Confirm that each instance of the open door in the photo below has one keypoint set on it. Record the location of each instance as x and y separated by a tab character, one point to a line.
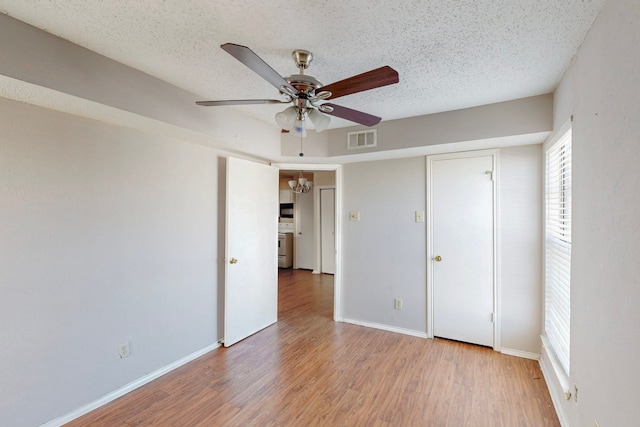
251	260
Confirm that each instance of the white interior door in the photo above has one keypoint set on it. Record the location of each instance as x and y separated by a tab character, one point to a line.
328	230
304	240
251	262
462	221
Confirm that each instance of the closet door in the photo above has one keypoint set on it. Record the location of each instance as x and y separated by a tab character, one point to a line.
462	247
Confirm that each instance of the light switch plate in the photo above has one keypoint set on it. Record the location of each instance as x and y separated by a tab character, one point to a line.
419	216
354	216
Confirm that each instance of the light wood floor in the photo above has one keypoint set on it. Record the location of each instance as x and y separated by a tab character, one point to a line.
307	370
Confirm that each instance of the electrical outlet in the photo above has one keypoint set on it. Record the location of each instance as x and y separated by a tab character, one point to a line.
397	303
123	350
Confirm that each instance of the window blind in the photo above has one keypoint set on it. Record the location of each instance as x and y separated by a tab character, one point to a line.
558	249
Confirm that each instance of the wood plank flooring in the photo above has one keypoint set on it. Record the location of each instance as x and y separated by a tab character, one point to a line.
307	370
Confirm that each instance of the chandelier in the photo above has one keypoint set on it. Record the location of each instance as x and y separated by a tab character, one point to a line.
302	185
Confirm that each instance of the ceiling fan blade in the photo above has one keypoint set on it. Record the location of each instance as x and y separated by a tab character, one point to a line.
240	102
379	77
352	115
255	63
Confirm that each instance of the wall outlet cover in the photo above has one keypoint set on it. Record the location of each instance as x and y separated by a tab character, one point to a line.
124	350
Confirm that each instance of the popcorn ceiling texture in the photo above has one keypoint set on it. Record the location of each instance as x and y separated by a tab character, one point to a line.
449	54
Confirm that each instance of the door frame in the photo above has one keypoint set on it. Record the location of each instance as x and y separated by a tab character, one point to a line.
496	237
337	277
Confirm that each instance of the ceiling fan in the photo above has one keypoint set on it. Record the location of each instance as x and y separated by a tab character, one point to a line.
306	93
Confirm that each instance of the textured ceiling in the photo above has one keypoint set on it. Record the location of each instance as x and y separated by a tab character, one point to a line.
449	54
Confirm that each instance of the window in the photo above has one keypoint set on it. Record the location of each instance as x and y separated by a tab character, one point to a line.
558	249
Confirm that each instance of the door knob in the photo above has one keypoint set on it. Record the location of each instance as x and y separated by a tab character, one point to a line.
437	258
233	261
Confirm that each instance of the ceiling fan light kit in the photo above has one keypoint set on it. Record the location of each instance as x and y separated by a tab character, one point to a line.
319	120
306	93
286	118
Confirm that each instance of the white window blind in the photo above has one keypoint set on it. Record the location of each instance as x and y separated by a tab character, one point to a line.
558	249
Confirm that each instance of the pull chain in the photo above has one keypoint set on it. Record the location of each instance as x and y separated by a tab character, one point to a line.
301	153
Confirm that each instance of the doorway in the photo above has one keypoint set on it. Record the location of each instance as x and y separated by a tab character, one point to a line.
461	266
335	172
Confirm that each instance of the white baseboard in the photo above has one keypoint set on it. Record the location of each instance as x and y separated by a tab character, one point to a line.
520	353
128	388
411	332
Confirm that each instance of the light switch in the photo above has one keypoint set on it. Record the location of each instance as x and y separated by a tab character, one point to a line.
419	216
354	216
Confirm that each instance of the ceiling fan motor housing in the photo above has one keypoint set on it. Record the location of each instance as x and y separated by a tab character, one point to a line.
305	85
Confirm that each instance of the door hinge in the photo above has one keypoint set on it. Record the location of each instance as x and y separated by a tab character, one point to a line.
492	317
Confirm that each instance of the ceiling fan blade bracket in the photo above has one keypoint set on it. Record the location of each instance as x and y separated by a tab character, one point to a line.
325	108
320	96
288	91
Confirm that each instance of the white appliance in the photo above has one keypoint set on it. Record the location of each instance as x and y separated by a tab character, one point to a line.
285	250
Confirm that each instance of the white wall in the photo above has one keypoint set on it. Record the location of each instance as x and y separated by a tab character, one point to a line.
385	252
601	90
108	235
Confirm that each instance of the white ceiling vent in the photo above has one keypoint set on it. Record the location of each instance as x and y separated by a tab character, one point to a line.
362	139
